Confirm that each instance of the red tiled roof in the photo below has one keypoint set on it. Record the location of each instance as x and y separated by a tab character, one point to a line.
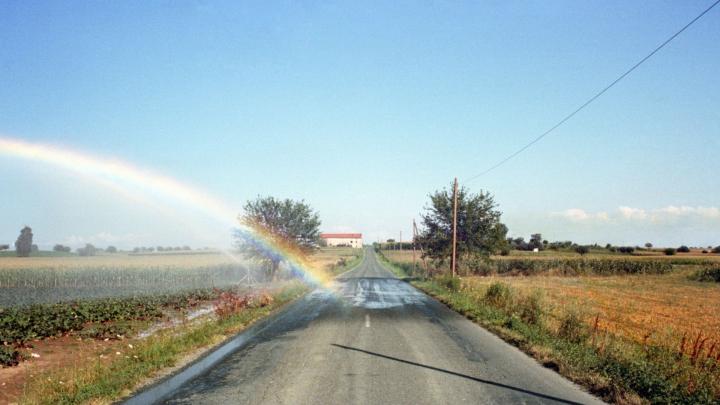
341	235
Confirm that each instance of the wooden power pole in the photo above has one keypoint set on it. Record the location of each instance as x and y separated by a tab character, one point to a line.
453	262
414	233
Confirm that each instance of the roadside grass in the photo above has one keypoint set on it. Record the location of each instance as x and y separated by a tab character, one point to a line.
401	270
648	337
101	381
616	369
346	262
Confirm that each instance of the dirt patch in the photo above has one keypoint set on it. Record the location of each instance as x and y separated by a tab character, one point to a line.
51	354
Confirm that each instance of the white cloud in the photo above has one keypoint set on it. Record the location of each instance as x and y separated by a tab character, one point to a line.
671	213
101	239
580	215
632	213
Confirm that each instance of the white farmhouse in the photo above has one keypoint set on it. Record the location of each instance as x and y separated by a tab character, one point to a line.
342	239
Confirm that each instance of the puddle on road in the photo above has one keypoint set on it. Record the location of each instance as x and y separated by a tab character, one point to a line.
377	293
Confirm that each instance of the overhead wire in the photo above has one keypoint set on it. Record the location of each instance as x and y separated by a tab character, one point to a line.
593	98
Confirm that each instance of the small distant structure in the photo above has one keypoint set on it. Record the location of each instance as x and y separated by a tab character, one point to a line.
342	239
535	250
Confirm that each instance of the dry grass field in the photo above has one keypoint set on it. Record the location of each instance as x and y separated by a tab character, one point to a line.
329	256
651	309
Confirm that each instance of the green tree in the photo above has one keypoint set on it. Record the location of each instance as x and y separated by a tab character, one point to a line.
285	224
536	241
88	250
582	249
23	244
479	230
111	249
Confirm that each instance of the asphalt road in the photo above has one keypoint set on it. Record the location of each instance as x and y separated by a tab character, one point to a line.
373	339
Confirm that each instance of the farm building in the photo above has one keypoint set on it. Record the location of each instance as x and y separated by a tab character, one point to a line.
342	239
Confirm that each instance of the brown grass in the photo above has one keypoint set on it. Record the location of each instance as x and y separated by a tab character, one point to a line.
649	309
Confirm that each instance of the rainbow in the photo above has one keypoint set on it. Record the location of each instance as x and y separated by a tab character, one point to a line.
122	177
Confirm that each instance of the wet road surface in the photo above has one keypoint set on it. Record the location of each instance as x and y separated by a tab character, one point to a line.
369	339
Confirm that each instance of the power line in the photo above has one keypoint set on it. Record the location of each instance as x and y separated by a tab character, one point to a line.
593	98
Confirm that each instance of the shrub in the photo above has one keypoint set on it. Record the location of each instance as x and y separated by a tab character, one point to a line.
450	282
708	274
572	327
504	252
669	251
582	249
683	249
230	303
531	309
716	249
499	295
9	356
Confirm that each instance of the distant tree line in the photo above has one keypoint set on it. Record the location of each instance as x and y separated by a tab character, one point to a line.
62	248
150	249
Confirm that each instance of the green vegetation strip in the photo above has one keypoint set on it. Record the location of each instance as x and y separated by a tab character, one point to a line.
101	382
616	370
19	325
575	266
710	274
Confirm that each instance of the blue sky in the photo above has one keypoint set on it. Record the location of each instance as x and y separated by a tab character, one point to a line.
362	109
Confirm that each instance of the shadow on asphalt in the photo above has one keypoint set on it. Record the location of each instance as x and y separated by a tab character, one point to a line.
496	384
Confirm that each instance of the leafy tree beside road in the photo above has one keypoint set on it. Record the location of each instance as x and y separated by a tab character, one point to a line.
479	230
291	225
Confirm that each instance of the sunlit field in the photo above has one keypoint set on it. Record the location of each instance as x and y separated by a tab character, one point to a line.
156	294
55	279
647	308
603	320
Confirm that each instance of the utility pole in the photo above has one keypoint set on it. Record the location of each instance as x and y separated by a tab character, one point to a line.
413	245
453	262
401	241
416	234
